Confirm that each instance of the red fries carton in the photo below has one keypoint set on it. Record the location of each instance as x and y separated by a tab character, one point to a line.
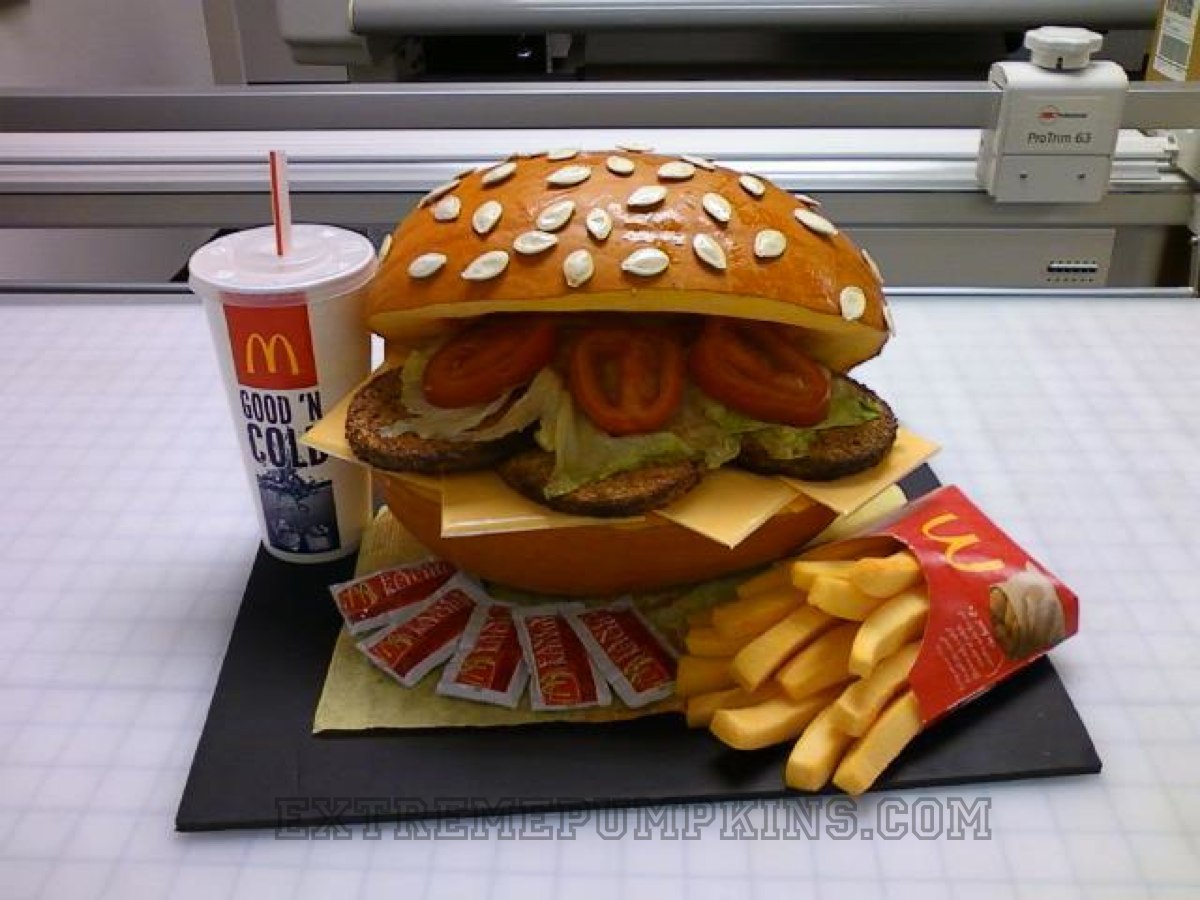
993	609
489	664
389	595
409	650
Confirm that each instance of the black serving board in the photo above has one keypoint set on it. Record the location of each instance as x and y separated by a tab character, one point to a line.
258	764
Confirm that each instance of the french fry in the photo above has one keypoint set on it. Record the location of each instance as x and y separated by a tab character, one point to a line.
754	615
885	576
817	753
838	597
806	571
702	674
767	723
870	754
893	624
758	660
702	707
707	641
819	665
700	617
861	701
770	579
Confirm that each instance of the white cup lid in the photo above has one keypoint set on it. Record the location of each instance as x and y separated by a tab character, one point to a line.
324	262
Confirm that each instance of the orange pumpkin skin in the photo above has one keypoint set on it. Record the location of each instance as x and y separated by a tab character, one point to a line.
601	560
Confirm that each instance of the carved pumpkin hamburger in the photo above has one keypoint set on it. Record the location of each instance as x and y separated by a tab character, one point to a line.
603	330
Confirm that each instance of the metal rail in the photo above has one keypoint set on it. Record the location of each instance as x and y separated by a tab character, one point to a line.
467	16
564	104
910	176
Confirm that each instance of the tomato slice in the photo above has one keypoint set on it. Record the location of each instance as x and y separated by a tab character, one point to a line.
487	358
627	380
754	368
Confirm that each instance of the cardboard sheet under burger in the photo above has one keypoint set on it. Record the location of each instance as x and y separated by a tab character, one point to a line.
727	507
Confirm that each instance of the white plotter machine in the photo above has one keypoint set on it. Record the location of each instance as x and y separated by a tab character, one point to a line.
1051	170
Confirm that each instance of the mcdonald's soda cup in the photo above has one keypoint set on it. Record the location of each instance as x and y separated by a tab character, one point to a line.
290	342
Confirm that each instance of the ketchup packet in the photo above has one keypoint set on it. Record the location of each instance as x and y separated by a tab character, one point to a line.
993	609
489	664
389	595
410	649
563	675
635	660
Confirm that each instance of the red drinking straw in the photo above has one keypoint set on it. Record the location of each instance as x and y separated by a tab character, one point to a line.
281	203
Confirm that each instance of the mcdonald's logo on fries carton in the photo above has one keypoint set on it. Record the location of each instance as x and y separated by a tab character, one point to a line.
272	347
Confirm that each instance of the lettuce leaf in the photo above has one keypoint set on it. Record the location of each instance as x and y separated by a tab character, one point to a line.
846	407
702	430
584	453
428	421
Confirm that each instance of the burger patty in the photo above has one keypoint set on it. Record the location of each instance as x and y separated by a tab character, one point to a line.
833	452
378	405
624	494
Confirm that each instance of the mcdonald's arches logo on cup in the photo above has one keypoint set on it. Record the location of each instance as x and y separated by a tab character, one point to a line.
271	346
269	349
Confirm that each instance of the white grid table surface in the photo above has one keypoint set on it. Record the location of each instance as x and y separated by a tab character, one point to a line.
126	536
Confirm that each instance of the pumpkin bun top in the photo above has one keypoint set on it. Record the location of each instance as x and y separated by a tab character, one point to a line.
628	231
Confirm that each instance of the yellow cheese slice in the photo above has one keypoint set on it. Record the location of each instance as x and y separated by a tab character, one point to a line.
729	505
328	434
481	503
429	485
847	494
888	501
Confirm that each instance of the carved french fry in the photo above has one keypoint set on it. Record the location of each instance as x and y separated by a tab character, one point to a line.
870	754
819	665
770	722
838	597
805	572
817	753
885	576
702	674
702	707
707	641
893	624
772	579
758	660
862	700
754	615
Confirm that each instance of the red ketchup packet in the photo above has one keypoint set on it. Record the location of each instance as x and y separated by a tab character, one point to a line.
993	609
410	649
635	660
489	664
563	675
389	595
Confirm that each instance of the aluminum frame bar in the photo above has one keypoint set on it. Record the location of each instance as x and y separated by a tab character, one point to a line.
765	104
